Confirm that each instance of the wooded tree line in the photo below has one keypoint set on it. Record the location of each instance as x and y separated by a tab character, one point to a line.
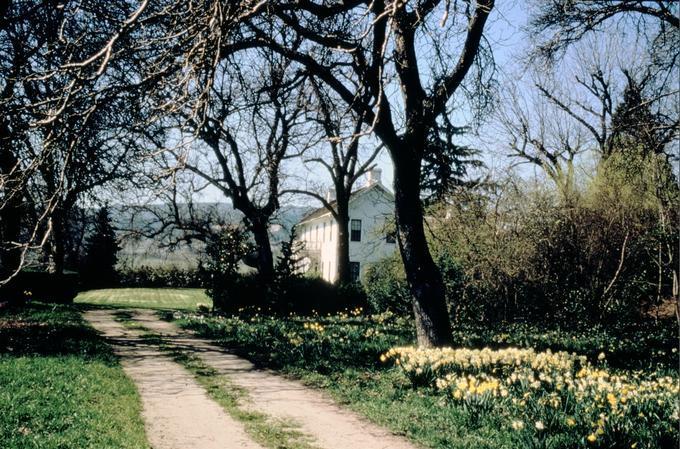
171	96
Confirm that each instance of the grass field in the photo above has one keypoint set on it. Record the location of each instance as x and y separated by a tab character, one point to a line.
147	298
61	386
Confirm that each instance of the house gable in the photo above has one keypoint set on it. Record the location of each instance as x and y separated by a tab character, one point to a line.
324	213
369	208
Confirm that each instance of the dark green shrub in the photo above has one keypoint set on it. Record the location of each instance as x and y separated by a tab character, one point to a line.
98	268
42	286
386	287
159	277
305	295
235	292
296	294
224	284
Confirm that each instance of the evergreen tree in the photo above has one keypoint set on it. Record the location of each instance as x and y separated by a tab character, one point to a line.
635	126
223	255
101	253
289	261
445	164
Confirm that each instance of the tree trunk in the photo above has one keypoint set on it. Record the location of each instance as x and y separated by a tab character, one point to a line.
10	231
433	326
344	274
57	247
11	214
265	259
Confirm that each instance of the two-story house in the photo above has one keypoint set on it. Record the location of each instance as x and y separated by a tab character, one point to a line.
369	209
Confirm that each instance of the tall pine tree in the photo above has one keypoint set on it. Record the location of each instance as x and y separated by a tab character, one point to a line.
635	126
101	253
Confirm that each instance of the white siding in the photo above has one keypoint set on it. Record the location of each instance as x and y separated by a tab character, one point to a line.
373	207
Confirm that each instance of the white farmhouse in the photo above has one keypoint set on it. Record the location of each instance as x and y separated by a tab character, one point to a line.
369	209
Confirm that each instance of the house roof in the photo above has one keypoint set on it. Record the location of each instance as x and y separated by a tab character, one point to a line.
320	212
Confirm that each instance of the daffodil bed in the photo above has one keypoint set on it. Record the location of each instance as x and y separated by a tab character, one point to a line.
319	344
508	395
540	392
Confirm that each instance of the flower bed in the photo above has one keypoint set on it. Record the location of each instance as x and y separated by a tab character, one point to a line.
541	391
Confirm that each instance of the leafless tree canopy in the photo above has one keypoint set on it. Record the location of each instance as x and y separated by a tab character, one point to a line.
61	81
560	23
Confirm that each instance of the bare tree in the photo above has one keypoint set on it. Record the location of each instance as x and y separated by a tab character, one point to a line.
62	72
249	129
558	24
541	134
366	51
167	212
564	114
342	157
61	61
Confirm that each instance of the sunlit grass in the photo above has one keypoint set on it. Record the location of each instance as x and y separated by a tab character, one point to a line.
61	386
147	298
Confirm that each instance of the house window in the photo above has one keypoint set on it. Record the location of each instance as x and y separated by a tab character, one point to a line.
355	230
324	232
330	232
316	239
391	237
354	271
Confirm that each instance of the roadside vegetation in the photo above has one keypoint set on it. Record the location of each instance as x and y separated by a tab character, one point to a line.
62	386
559	302
608	388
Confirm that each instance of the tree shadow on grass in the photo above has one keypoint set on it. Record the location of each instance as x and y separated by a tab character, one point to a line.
50	330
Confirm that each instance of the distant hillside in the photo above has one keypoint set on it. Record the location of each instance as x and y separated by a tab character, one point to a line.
134	225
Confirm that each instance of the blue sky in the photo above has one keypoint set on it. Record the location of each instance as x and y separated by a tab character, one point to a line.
504	32
509	44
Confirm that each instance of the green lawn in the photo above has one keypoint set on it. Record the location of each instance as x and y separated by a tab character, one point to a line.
147	298
61	386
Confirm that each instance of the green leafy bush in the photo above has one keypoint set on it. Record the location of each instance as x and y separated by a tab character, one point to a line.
159	277
387	290
296	294
522	252
386	287
224	284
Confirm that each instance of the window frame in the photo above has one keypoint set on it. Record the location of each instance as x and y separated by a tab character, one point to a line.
354	234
